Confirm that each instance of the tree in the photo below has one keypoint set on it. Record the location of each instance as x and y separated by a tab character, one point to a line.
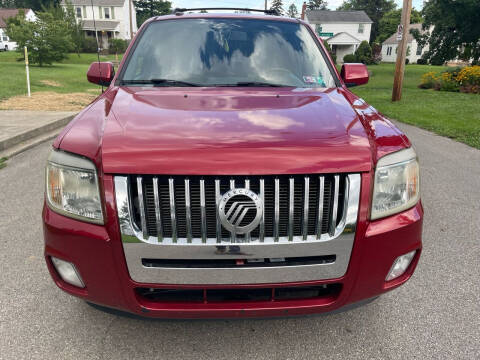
456	30
35	5
277	5
47	38
150	8
389	22
317	5
292	11
67	15
375	10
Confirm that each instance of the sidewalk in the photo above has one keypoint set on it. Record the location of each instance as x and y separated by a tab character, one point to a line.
20	130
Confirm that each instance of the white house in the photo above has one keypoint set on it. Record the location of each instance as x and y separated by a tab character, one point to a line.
343	30
414	51
5	43
113	18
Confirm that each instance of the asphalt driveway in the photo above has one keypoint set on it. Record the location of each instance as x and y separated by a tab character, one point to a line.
436	315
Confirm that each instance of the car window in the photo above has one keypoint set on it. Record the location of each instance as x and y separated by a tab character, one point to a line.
225	51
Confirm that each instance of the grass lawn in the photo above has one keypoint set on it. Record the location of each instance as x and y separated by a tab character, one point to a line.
68	77
455	115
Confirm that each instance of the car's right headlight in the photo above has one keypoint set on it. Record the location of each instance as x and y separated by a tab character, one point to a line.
397	184
72	187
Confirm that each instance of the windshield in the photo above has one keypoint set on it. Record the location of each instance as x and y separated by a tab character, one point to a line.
227	52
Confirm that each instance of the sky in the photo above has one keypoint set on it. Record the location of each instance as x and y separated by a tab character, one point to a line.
259	4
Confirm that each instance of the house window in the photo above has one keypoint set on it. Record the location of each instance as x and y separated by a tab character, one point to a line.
389	51
318	28
5	38
113	12
419	50
361	27
79	12
107	12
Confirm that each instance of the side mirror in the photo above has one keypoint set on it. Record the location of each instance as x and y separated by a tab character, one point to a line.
101	73
354	74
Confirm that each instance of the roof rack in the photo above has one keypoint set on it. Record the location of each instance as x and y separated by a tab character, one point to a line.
180	11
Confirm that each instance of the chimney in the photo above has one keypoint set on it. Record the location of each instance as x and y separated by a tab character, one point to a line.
304	10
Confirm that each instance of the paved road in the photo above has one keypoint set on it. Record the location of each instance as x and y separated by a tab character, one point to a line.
436	315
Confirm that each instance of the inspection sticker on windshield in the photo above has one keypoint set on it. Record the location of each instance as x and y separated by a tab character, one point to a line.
313	80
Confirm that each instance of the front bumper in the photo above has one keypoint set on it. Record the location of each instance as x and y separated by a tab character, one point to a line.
98	255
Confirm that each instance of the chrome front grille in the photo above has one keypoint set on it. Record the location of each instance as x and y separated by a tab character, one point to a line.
183	209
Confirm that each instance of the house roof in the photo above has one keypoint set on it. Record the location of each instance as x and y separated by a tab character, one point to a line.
327	16
343	38
99	25
393	39
8	13
95	2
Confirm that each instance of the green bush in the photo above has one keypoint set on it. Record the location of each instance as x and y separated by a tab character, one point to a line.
350	58
329	49
117	46
422	61
89	45
364	53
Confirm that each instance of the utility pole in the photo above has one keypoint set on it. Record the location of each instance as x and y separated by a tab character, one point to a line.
402	33
266	5
130	17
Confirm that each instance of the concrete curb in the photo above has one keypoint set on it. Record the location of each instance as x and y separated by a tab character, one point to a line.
28	144
32	133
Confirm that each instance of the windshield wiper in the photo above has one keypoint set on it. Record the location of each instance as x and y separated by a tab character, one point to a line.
257	83
159	82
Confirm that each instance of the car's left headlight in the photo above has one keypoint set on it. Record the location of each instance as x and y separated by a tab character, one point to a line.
72	187
397	184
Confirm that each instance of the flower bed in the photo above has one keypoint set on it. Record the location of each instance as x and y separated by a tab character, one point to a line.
465	79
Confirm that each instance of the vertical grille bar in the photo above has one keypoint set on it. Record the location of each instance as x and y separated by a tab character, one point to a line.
217	201
333	222
262	222
321	189
158	216
277	210
305	208
142	207
290	208
188	213
202	211
233	236
171	192
247	186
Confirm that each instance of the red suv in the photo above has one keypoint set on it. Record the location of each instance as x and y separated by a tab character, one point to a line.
227	171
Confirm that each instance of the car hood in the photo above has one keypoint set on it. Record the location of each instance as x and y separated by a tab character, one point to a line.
233	131
222	131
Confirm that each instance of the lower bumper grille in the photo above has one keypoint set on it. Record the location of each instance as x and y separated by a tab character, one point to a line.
239	294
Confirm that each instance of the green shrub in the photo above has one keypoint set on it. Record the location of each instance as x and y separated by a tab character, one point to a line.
89	45
117	46
422	61
364	53
350	58
329	49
